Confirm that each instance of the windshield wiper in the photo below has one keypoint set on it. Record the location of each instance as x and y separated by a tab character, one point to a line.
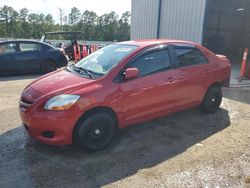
88	72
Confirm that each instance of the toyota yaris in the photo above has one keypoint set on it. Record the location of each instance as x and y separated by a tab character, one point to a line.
121	85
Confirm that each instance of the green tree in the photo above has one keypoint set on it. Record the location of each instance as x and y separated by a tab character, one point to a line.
74	16
22	24
49	20
34	20
49	23
124	27
14	26
89	20
23	14
107	26
2	29
9	16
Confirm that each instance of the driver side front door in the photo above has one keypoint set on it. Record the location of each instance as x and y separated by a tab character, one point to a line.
151	93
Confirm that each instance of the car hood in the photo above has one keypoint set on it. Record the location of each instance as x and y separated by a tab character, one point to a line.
59	82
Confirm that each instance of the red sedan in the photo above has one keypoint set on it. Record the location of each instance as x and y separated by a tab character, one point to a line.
121	85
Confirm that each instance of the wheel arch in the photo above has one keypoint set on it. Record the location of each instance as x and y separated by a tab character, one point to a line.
48	59
215	84
94	110
207	106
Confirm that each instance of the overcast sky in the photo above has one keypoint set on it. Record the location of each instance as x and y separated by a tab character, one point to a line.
52	6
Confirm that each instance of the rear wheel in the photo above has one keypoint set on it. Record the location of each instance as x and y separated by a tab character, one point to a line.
48	66
212	100
95	132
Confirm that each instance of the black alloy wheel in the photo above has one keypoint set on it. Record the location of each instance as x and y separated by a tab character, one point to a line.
212	100
95	132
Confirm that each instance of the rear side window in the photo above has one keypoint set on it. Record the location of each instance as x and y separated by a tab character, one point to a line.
187	56
45	47
152	62
29	47
7	48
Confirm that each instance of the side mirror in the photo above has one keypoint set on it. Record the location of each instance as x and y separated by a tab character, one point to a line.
131	73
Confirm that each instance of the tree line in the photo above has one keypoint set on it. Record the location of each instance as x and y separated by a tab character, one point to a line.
24	24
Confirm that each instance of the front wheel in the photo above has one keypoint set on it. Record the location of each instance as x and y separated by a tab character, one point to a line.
212	100
95	132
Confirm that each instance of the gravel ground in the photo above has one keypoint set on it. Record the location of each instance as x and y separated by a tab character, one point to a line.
187	149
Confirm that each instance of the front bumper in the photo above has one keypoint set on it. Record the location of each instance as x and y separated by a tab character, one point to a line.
59	124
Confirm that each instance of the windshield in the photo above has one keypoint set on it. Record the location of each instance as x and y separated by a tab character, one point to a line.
103	60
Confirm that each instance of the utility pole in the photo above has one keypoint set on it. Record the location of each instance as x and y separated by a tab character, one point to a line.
61	16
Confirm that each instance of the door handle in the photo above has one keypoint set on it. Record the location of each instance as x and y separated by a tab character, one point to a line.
170	80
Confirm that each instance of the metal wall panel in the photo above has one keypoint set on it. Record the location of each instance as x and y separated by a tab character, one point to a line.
182	19
144	19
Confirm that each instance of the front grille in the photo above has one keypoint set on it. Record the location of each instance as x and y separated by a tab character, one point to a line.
24	105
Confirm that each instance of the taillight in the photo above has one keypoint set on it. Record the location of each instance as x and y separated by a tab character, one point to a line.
223	58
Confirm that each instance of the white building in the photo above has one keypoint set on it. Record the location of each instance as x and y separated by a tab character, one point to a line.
221	25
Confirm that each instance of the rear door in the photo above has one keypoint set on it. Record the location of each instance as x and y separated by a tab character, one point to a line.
7	57
191	64
28	56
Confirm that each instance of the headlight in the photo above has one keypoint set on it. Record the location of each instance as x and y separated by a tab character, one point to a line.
61	102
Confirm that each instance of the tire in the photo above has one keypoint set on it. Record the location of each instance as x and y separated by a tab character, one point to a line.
95	132
212	100
48	66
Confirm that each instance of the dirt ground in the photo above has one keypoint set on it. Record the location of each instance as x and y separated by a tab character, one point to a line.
187	149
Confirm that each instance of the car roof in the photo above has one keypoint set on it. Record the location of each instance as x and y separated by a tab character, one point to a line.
25	40
64	32
149	42
21	40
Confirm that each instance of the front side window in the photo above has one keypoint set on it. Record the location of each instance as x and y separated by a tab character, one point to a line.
152	62
187	56
29	47
103	60
7	48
